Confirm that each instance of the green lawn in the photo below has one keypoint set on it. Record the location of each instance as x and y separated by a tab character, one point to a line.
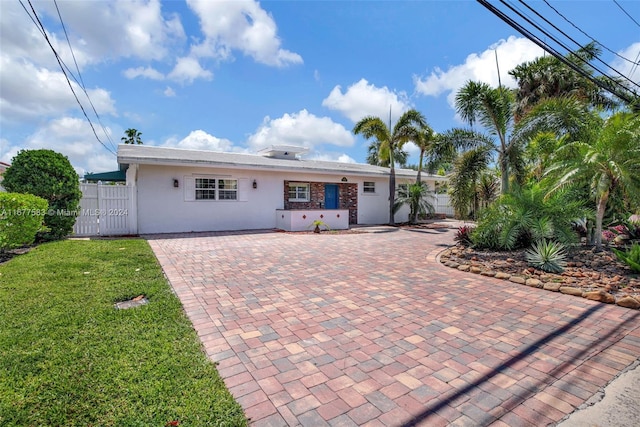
69	358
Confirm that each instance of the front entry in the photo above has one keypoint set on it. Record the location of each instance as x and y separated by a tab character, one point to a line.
331	196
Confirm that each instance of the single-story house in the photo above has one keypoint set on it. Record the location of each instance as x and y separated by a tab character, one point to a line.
179	190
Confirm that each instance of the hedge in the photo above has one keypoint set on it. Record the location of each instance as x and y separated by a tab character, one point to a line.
21	217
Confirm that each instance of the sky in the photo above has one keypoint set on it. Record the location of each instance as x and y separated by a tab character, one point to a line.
239	76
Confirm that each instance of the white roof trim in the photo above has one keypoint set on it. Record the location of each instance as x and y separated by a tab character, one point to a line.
151	155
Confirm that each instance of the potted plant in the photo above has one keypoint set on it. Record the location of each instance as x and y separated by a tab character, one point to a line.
317	224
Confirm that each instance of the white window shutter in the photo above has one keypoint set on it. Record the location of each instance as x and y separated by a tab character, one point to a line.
243	189
189	188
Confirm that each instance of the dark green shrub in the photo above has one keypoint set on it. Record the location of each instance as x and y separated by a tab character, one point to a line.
630	257
47	174
527	215
21	217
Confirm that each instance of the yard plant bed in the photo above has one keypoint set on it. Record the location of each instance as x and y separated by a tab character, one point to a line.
68	357
590	274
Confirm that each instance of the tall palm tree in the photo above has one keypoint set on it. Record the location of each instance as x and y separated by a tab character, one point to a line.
548	77
377	158
424	139
132	136
390	140
494	109
607	158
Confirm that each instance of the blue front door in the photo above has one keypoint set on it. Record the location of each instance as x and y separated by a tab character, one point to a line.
331	196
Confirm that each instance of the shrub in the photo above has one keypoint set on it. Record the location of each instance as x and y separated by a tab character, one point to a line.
463	235
21	217
49	175
630	257
526	215
547	255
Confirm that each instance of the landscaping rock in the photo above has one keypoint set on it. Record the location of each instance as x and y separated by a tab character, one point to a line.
488	273
501	275
464	267
570	290
534	283
601	296
628	301
475	269
452	264
551	286
517	279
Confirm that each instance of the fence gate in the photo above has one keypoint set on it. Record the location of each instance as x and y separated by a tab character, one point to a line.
105	210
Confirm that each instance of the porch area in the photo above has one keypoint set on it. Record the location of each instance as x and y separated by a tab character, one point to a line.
303	219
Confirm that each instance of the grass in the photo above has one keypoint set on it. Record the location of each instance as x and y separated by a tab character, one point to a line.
69	358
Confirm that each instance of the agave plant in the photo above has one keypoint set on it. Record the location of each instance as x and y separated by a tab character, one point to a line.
630	257
547	255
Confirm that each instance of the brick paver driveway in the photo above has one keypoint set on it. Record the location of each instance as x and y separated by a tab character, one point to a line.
368	329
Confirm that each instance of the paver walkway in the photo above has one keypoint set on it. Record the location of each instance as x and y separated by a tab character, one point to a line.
368	329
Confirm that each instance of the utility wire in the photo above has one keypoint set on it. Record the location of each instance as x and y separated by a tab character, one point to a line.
626	13
39	23
570	38
508	20
563	46
587	35
81	82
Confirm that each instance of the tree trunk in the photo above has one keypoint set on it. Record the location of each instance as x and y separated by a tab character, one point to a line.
504	172
601	206
414	219
392	194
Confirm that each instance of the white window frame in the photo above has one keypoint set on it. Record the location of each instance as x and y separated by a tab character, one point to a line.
306	193
225	188
208	189
222	189
369	189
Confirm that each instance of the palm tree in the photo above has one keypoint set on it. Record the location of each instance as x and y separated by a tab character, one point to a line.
606	157
416	196
132	136
494	109
548	77
468	170
376	158
390	141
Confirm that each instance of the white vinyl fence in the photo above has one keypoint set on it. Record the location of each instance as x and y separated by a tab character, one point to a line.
106	210
442	204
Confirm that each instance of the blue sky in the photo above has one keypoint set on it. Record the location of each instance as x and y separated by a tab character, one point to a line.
240	76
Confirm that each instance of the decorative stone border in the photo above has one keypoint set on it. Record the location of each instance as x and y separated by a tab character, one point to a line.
626	301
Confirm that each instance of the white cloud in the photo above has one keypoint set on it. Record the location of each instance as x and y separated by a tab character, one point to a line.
30	93
300	129
146	72
169	92
625	67
480	67
201	140
363	99
122	28
188	69
243	26
73	138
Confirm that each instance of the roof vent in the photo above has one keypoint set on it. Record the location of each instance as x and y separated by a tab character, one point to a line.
283	152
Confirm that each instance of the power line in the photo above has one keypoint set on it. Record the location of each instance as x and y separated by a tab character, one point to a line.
81	82
626	13
44	33
587	35
508	20
570	38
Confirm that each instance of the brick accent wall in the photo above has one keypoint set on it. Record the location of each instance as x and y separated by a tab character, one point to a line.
347	198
